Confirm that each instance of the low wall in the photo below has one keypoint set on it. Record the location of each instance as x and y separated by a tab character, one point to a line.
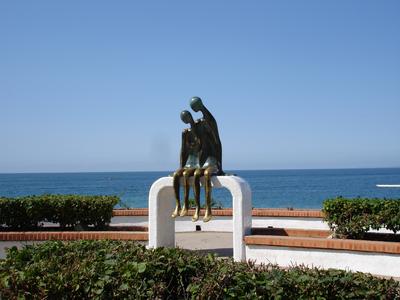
313	249
374	263
222	219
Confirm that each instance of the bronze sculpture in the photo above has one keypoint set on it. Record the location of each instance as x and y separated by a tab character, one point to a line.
201	157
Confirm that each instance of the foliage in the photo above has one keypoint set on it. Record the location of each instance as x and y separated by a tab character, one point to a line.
127	270
29	212
352	218
214	203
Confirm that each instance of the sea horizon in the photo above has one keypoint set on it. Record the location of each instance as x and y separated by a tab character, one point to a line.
225	170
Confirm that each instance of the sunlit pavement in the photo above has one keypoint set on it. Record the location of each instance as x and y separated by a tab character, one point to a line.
220	243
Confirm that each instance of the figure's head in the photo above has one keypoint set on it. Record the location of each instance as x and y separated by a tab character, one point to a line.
196	104
186	117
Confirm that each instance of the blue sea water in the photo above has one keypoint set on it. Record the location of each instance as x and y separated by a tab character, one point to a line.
270	188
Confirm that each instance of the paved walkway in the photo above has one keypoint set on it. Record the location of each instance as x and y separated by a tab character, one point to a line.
220	243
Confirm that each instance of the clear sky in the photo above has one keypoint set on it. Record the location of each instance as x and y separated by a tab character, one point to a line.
99	85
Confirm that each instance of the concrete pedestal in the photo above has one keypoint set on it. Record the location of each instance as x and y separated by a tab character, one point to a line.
162	204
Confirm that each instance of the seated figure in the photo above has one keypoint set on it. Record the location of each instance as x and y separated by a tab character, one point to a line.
211	155
189	162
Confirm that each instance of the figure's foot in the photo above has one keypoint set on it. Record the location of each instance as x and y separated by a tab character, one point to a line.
184	211
207	216
196	215
176	212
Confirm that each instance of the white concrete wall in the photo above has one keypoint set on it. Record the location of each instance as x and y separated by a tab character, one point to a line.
224	224
288	222
374	263
133	221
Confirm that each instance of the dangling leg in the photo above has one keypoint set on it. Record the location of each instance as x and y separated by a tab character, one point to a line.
207	178
196	189
186	186
177	176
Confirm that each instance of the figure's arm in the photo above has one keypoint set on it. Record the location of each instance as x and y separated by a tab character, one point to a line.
210	118
184	152
216	141
212	124
210	129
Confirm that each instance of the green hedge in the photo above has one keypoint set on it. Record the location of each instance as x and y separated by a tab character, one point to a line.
352	218
126	270
29	212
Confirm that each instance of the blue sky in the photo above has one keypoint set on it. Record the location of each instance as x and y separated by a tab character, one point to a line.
99	85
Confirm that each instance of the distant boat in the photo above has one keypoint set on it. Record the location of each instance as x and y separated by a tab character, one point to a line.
388	185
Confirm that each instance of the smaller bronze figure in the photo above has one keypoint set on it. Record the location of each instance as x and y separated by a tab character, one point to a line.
189	162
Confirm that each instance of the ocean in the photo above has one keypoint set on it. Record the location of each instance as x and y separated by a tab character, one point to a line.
270	188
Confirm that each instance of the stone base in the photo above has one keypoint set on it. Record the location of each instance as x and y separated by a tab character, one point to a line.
162	204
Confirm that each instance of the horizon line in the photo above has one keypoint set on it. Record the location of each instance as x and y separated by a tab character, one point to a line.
159	171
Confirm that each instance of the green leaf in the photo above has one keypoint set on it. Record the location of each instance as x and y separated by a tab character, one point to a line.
141	267
123	287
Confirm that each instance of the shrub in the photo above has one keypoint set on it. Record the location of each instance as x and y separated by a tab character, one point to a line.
29	212
214	203
126	270
352	218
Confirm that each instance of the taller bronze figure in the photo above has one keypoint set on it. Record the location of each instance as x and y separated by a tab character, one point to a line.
208	153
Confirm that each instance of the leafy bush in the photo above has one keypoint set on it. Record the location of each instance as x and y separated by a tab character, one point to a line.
214	204
126	270
352	218
29	212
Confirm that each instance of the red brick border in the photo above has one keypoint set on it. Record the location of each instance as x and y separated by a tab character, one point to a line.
130	212
292	213
227	212
73	235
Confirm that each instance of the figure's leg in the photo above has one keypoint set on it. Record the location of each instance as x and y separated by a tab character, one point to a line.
196	189
177	176
207	178
186	186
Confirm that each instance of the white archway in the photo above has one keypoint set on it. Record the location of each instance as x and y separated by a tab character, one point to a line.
162	203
